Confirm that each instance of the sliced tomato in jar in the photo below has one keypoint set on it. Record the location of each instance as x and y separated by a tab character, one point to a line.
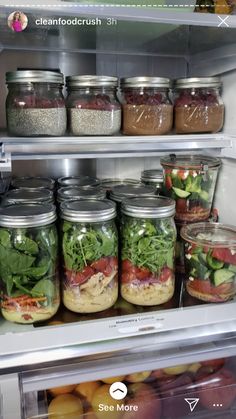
168	182
127	277
224	255
206	287
181	205
127	266
79	277
113	261
142	273
165	274
182	174
100	265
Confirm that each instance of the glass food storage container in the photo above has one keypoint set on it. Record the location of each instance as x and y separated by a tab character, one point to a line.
148	237
75	193
28	263
35	105
33	183
90	248
210	259
198	106
190	180
121	192
93	108
153	177
78	181
28	196
147	109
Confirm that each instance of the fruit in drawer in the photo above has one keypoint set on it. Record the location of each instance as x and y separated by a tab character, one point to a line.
147	401
178	369
56	391
112	380
86	391
104	406
138	377
65	406
216	388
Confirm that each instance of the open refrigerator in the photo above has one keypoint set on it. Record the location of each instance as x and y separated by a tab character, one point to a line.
167	345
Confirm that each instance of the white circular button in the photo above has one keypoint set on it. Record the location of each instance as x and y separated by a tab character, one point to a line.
118	390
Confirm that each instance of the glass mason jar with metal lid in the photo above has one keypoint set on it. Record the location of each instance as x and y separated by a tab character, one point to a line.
28	196
153	177
75	193
35	105
33	183
148	237
198	106
147	109
210	260
90	250
93	107
121	192
28	263
109	183
190	181
78	181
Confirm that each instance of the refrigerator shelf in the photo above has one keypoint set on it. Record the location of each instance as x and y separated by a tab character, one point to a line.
105	147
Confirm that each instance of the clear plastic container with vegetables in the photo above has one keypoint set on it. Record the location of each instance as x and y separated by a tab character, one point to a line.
190	181
28	263
147	251
210	258
90	248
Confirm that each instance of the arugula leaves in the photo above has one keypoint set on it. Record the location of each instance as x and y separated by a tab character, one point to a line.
83	244
148	243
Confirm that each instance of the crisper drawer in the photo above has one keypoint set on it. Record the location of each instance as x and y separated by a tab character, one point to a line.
205	389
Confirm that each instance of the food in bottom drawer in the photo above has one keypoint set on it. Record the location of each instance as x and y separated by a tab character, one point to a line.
166	393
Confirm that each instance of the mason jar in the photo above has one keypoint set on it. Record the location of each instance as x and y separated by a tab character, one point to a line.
35	105
76	193
93	108
90	249
190	180
109	183
121	192
33	183
77	181
148	237
147	109
198	105
210	260
28	196
28	263
153	177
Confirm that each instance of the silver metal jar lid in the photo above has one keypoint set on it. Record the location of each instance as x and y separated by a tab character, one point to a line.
197	162
198	82
33	183
34	76
73	193
120	192
151	207
27	215
91	211
24	196
78	181
145	82
152	175
91	81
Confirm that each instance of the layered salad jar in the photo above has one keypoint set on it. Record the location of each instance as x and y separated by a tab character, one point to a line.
148	237
210	258
198	106
35	183
90	249
28	263
78	181
121	192
28	196
35	105
93	108
147	109
190	181
153	177
75	193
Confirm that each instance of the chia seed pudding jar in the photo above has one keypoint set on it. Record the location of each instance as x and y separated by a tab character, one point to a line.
153	177
93	108
198	106
28	263
210	259
190	181
90	262
84	181
148	237
35	105
28	196
33	183
76	193
147	109
121	192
